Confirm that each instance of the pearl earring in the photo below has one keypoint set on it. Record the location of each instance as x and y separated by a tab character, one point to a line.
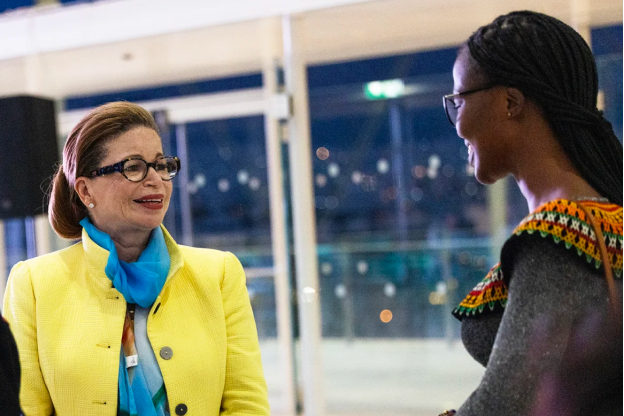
508	114
91	205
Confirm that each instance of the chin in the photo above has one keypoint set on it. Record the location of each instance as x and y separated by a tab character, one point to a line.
486	178
149	222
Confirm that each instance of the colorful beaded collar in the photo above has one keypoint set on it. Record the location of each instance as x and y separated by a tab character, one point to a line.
560	221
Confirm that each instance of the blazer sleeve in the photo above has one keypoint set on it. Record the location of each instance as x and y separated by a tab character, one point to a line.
245	390
20	312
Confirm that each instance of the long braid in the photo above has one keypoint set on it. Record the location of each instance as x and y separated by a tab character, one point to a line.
553	66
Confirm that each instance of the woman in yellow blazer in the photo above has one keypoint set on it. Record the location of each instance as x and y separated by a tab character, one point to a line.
127	322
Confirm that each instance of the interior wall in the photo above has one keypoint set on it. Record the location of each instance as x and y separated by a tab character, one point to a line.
353	31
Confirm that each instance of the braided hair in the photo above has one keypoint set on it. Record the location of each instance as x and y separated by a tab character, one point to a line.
554	67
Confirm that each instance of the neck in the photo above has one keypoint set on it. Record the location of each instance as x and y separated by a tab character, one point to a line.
543	170
552	180
129	245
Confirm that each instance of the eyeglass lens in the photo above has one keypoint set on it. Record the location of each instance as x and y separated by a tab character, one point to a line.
451	110
136	170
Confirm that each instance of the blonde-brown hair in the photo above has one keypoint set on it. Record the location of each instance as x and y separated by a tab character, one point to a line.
84	150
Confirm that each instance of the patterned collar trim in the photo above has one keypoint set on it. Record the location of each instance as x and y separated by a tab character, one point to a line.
559	221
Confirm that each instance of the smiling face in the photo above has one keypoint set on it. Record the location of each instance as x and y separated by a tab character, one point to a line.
121	207
481	118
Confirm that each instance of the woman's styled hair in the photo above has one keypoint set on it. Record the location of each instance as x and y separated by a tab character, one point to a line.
554	67
84	150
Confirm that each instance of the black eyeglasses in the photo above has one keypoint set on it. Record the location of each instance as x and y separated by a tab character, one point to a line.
135	169
449	103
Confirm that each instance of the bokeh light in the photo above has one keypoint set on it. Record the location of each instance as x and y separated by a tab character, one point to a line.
385	316
322	153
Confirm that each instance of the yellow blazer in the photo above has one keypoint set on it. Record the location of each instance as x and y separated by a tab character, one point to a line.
67	320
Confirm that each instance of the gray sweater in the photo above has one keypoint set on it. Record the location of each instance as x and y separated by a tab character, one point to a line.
550	290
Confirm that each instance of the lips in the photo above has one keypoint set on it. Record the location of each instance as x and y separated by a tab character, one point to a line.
151	201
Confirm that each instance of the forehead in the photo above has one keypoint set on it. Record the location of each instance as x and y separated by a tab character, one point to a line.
466	72
139	141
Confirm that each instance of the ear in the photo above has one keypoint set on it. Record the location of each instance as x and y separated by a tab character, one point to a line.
516	102
83	189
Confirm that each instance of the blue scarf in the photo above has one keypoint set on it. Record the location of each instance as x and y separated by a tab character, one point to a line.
139	282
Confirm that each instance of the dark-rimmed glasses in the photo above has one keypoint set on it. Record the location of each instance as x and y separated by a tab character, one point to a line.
449	103
135	169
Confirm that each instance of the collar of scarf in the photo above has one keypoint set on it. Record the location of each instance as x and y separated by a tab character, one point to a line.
564	223
139	282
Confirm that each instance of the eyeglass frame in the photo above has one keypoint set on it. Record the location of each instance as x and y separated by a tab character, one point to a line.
118	167
451	97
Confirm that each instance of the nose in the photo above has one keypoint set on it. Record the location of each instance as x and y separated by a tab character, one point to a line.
152	176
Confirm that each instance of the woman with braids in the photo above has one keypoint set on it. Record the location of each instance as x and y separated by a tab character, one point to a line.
525	91
127	322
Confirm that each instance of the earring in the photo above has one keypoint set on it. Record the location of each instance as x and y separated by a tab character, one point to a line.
91	205
508	114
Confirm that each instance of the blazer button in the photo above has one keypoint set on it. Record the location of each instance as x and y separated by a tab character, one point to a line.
181	409
166	353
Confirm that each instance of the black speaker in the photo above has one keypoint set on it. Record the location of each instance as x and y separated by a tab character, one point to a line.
28	154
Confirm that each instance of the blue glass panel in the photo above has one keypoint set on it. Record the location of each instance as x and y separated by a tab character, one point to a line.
397	66
15	242
606	40
6	5
167	91
607	47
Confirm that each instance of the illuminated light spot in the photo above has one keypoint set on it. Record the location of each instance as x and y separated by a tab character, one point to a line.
385	316
340	291
391	88
333	170
254	183
223	185
452	283
417	194
243	177
441	288
362	267
322	153
200	180
251	292
321	180
471	189
448	171
308	294
331	202
389	290
375	88
326	268
419	171
436	298
434	161
383	166
356	177
432	173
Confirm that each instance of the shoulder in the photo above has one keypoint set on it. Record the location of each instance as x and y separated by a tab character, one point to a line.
195	254
564	225
51	262
200	260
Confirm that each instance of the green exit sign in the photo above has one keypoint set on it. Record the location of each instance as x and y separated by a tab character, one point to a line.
380	90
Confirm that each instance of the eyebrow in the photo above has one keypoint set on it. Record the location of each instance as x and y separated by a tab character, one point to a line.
159	154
